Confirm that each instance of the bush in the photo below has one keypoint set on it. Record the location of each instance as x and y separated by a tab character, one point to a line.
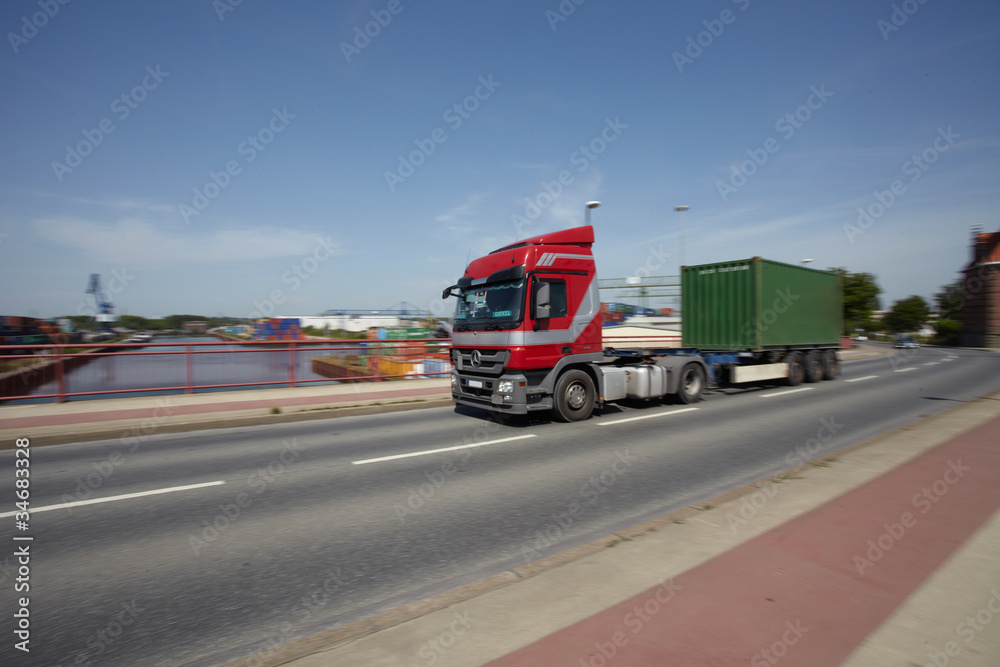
948	332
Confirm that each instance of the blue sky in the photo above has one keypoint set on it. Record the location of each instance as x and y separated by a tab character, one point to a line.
263	157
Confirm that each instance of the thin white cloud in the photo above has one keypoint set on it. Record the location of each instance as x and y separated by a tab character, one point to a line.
463	210
123	204
457	218
139	240
568	209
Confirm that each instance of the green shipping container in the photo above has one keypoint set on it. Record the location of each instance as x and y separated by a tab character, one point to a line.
758	304
402	333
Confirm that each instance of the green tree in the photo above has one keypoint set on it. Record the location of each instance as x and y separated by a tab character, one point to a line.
950	300
81	321
860	298
177	321
133	322
948	332
908	314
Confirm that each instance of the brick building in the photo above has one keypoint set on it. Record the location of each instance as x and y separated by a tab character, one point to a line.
981	311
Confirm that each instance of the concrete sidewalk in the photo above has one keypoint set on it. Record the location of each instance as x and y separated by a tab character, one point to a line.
56	423
886	554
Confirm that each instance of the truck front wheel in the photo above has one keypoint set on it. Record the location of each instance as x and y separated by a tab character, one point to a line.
574	396
692	384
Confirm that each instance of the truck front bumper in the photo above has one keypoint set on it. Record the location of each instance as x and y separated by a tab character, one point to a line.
507	393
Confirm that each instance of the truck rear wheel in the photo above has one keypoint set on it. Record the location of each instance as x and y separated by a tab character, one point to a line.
692	384
831	364
796	369
813	366
574	396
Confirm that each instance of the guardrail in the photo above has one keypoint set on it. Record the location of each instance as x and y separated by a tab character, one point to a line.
379	357
56	363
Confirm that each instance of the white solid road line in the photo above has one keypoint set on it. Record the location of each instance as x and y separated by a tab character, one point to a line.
443	449
905	370
658	414
786	392
866	377
94	501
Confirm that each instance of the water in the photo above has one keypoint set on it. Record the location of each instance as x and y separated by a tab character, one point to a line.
209	366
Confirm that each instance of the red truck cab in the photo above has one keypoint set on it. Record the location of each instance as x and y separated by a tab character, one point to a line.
526	312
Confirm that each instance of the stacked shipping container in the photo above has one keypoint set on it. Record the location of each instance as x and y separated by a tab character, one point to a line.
400	341
615	312
277	328
17	330
399	352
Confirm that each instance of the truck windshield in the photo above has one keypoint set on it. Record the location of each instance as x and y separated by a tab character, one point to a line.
490	306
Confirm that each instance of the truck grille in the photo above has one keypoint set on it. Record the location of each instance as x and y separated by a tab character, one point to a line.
487	362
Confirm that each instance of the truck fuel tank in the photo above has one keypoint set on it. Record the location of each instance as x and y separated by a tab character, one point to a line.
615	382
646	381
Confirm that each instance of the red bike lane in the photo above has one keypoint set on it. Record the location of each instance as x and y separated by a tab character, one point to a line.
809	591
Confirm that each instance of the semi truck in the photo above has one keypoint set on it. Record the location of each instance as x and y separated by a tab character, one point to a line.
527	334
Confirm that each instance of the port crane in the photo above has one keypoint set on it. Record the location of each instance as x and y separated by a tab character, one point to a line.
105	309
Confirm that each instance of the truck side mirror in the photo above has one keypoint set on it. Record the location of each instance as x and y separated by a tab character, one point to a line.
542	302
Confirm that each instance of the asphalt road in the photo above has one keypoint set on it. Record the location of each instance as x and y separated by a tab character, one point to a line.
302	526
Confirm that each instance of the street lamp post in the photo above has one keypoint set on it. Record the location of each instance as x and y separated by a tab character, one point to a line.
587	207
681	209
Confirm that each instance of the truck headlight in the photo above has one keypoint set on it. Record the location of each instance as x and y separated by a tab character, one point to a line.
505	386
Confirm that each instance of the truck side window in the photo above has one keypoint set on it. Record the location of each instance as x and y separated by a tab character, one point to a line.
557	298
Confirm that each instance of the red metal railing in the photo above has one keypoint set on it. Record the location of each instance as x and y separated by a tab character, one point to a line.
57	362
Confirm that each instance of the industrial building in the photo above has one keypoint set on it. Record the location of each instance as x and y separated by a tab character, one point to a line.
401	315
981	311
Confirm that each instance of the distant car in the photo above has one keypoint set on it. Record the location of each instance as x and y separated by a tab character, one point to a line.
861	337
906	343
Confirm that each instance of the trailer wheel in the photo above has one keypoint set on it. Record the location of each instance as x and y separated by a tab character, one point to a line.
813	366
831	365
796	369
574	397
692	384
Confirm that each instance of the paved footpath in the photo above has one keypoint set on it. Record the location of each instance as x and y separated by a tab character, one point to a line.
56	423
